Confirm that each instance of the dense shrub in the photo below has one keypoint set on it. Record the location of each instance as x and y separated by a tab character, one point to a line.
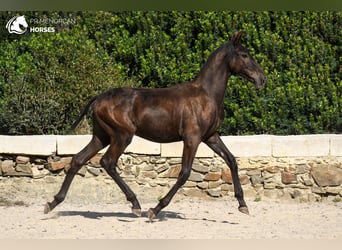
45	79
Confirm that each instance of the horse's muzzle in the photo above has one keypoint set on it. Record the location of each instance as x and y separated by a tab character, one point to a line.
260	81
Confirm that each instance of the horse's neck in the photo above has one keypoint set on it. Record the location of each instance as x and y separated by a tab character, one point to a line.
214	74
214	82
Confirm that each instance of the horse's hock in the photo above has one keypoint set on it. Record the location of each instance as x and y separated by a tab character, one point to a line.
296	168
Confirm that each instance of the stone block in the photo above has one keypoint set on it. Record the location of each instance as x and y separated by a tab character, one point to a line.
317	190
248	146
29	145
83	171
272	169
333	190
171	172
190	184
194	176
227	176
39	173
7	168
174	171
143	146
226	187
94	171
71	144
95	161
307	181
203	185
215	184
325	175
200	168
162	168
212	177
22	159
244	180
270	185
149	174
288	178
62	163
24	169
302	169
304	145
146	167
214	192
254	172
336	145
256	179
175	149
7	164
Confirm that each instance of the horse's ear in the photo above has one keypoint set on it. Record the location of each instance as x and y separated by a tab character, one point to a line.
237	37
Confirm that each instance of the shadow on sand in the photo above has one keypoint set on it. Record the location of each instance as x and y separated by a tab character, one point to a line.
130	217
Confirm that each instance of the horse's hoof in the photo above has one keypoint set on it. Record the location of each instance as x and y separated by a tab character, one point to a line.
136	211
151	215
47	208
244	210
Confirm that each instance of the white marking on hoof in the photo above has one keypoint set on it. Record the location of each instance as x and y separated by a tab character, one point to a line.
136	211
244	210
47	208
151	215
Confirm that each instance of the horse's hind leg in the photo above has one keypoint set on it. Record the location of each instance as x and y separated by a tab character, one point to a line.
216	144
76	163
109	163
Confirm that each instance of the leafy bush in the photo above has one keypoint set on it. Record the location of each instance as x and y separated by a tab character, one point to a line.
45	79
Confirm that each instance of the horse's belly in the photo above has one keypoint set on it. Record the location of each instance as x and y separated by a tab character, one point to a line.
158	134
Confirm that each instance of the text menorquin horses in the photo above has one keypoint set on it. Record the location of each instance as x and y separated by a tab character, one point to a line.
190	112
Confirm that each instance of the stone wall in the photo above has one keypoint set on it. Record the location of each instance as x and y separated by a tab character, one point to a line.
314	176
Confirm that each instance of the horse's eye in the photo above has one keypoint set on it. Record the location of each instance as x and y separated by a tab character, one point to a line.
244	55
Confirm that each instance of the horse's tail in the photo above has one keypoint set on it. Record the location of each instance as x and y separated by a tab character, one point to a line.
84	112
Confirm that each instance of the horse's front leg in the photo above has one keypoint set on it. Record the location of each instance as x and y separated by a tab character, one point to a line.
216	144
189	151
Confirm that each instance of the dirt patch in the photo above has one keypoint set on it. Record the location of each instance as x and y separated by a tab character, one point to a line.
186	217
95	208
8	203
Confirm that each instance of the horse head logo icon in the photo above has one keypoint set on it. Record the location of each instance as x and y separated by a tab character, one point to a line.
17	25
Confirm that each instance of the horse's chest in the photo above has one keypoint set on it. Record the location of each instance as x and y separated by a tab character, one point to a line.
210	119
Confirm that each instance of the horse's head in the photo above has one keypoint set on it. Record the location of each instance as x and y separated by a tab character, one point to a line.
243	64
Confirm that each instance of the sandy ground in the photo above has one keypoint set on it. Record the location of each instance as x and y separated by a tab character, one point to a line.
189	218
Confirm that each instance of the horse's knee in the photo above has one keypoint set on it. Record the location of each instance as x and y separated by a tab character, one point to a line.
107	164
75	164
104	163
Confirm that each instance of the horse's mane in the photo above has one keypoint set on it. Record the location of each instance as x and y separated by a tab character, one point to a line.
211	57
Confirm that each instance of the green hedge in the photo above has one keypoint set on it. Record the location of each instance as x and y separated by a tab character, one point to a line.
45	79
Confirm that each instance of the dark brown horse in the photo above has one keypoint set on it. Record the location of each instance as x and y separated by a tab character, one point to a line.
190	112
